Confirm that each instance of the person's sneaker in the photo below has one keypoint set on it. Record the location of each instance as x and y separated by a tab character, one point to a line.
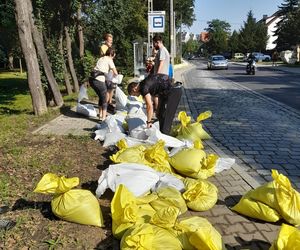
4	209
7	224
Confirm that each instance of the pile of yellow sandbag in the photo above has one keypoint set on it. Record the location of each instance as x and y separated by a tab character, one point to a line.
270	202
151	222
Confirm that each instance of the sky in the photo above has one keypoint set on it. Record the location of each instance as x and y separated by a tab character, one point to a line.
232	11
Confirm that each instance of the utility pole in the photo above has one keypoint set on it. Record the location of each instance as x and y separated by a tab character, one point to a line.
171	32
150	9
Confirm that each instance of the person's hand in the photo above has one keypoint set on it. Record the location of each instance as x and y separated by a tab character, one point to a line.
149	124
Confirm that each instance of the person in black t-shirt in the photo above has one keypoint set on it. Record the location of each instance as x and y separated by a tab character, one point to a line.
168	99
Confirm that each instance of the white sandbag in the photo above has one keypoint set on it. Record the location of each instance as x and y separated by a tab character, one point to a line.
154	135
100	134
138	178
121	99
112	138
115	123
139	132
136	110
224	164
135	122
114	79
82	93
168	180
86	109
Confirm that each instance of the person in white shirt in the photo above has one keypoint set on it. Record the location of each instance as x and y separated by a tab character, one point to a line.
98	83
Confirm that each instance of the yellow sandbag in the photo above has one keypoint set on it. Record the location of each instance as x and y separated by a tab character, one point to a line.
200	195
149	237
165	217
288	198
208	167
256	209
198	233
169	196
79	206
192	131
126	212
192	162
158	157
266	194
288	239
76	205
132	155
188	161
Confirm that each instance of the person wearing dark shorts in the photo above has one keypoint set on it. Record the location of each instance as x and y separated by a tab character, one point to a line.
98	81
168	99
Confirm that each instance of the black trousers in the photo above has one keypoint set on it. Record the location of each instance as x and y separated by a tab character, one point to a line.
167	106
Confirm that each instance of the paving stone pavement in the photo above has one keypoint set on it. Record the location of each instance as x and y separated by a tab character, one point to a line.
262	134
238	232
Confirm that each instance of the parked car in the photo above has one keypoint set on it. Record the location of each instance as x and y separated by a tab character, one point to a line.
239	56
261	57
217	62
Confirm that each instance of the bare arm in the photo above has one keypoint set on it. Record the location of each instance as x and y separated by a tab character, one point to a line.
149	108
161	63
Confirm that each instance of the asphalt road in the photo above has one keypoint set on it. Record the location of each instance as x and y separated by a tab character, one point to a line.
281	86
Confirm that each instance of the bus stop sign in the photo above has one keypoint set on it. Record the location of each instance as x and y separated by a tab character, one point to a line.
156	21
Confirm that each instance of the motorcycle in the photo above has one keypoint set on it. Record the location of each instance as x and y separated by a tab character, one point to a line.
250	68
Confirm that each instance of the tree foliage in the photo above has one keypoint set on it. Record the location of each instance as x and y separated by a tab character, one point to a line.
288	27
253	35
219	32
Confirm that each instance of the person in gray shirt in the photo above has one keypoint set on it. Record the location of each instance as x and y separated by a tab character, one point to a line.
162	58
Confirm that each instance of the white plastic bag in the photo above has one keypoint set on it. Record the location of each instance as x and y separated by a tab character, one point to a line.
112	138
121	99
86	109
154	135
82	93
224	164
138	178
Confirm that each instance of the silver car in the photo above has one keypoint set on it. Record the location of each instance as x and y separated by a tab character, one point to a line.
217	62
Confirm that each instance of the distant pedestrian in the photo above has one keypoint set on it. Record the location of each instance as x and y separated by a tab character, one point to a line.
274	58
108	41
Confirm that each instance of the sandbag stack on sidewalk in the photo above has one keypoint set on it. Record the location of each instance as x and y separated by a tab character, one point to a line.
156	178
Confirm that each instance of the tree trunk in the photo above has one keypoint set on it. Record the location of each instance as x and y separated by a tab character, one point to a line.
10	61
33	74
39	43
70	60
20	65
66	74
80	32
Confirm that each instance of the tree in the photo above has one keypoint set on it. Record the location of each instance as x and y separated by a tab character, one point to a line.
287	32
9	40
219	32
38	41
253	35
234	42
34	76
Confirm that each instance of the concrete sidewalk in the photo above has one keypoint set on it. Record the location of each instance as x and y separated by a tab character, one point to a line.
238	232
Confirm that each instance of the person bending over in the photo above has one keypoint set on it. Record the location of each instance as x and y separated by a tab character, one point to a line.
168	99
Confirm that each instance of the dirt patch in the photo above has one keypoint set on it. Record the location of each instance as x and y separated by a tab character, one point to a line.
21	167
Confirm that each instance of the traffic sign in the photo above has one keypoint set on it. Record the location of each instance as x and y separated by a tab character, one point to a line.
156	21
